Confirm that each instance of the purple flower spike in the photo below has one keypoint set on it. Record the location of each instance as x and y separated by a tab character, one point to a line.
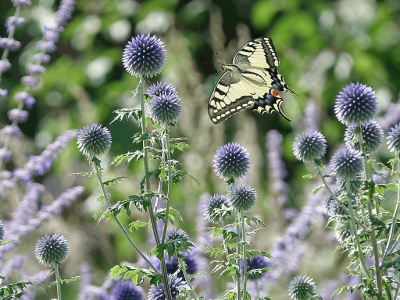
144	55
3	93
64	12
21	96
9	43
22	3
35	69
5	155
13	22
29	81
42	58
22	175
17	115
47	47
5	65
13	131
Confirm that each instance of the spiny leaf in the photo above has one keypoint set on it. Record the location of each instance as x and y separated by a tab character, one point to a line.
114	180
127	157
135	225
65	280
127	113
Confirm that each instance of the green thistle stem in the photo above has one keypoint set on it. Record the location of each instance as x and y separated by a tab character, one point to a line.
371	186
244	254
58	281
164	276
257	289
168	150
185	275
119	223
237	220
227	257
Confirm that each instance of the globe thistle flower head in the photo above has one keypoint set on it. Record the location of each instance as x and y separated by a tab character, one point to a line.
126	290
342	231
1	231
173	264
157	89
51	249
355	185
332	208
257	263
214	203
372	134
93	140
309	146
231	161
242	198
356	104
301	288
393	139
165	108
144	55
174	234
347	164
157	292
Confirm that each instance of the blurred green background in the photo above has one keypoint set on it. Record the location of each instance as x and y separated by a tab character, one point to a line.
322	45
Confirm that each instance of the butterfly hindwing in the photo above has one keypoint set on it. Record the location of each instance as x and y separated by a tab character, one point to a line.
269	103
229	97
259	53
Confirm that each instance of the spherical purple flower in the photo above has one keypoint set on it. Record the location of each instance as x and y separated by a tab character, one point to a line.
242	198
144	55
157	292
5	65
165	108
9	43
17	115
231	161
173	265
257	263
29	81
3	93
42	58
356	104
13	131
126	290
213	205
1	231
393	139
35	69
347	164
372	136
52	249
331	207
157	89
94	140
22	3
5	155
174	234
301	288
309	146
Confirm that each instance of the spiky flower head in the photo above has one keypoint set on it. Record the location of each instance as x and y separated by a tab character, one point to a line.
355	185
331	206
157	292
301	288
242	197
347	164
214	203
257	263
393	139
94	140
126	290
165	108
342	231
144	55
231	161
309	146
1	231
372	134
157	89
356	104
174	234
190	261
51	249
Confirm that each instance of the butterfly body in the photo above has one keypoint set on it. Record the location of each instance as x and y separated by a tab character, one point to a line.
251	81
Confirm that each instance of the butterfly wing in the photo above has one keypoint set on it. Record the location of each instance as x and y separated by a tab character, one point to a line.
271	102
258	53
228	97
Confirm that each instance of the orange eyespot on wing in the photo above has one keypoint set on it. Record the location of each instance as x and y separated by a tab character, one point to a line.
275	93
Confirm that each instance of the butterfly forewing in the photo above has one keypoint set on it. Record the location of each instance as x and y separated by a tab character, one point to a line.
259	53
229	97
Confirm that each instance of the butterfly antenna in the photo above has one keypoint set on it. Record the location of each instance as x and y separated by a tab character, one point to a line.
222	61
294	93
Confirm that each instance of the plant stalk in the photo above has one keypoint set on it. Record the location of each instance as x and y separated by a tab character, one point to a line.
164	275
168	149
244	255
227	257
58	281
185	275
237	220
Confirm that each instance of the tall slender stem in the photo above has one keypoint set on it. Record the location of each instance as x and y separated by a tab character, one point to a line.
227	257
119	223
164	276
354	231
168	149
185	275
244	255
237	220
371	186
58	281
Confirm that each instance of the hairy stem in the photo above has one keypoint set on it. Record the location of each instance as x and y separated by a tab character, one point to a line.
168	150
371	186
244	254
164	275
119	223
183	268
58	281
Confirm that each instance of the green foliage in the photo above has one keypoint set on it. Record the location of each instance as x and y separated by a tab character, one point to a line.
137	275
14	290
65	280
